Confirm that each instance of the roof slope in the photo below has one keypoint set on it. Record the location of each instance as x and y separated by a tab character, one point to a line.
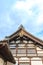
5	52
21	31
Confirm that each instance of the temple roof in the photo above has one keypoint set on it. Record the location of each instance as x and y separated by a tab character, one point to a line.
21	27
21	32
5	52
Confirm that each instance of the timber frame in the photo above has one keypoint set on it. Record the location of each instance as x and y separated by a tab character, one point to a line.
25	45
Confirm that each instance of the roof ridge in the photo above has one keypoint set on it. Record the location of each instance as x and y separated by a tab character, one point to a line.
21	27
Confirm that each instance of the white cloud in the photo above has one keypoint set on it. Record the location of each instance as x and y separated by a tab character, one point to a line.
27	6
21	5
40	19
26	12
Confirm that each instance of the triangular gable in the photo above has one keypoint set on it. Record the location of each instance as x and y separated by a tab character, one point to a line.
22	32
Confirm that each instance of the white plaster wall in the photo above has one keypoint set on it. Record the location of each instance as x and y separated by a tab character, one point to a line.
36	61
9	63
1	61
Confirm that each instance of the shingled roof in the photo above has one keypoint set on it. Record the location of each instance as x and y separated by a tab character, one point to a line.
5	52
21	32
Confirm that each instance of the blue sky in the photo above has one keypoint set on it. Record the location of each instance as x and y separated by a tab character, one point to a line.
29	13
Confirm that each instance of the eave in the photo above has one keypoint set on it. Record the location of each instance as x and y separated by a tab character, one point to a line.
24	32
6	53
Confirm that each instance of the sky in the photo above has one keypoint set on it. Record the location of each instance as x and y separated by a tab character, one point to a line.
29	13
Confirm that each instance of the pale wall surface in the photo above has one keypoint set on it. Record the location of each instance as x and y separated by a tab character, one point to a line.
9	63
1	61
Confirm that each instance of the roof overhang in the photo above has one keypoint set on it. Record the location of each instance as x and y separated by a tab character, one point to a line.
6	53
